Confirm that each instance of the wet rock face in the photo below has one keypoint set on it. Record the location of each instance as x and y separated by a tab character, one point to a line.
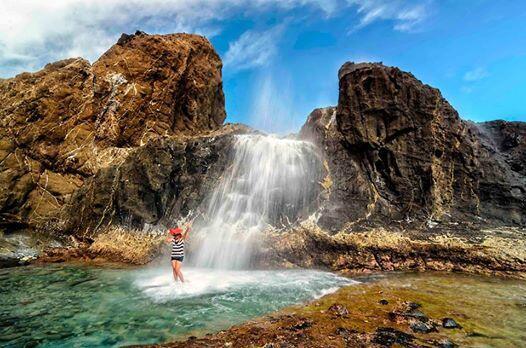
61	125
397	151
508	138
156	183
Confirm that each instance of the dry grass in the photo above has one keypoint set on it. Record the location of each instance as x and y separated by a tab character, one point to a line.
513	248
451	241
129	246
377	238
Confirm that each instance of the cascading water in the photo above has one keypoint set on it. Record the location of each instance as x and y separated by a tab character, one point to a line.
272	181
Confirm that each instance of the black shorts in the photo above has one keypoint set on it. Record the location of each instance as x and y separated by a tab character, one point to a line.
178	258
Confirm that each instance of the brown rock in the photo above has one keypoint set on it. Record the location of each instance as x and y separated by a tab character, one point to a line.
156	183
397	151
62	124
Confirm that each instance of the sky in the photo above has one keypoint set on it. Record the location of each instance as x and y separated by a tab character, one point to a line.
281	57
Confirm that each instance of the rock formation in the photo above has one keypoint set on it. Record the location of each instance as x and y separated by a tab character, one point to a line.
137	138
65	123
397	151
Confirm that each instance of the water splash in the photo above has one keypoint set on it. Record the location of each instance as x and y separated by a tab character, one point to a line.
272	181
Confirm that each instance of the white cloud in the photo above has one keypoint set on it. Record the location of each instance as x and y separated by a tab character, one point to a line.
476	74
406	14
252	49
35	32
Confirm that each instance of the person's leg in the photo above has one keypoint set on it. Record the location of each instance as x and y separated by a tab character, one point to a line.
178	265
174	269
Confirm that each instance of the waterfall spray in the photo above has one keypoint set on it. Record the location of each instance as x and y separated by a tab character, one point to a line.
271	181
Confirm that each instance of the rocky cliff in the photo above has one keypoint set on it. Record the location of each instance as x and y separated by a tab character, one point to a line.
65	123
410	185
397	152
137	138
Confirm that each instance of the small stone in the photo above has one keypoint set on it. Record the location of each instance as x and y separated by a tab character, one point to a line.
446	343
421	327
417	315
301	325
383	302
449	323
341	331
476	334
413	305
339	310
388	336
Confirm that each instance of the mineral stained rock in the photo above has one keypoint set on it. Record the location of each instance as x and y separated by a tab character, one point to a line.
65	123
396	150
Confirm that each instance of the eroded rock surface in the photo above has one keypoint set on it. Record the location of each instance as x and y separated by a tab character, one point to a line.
61	125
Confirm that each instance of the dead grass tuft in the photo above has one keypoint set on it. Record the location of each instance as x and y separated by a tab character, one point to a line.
377	238
129	246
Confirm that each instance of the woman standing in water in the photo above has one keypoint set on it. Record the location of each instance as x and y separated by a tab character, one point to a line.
177	238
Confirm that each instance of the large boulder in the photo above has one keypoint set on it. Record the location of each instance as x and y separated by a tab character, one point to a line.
397	151
66	122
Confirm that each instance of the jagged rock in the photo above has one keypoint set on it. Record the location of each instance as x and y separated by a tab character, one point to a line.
397	151
66	122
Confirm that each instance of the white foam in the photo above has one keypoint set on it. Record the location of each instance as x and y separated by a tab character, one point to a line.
160	286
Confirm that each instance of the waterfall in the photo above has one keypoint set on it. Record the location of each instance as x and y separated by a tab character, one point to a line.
272	181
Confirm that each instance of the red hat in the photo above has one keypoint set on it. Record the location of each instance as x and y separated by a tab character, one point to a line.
175	231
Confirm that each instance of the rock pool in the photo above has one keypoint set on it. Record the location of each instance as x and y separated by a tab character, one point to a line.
66	305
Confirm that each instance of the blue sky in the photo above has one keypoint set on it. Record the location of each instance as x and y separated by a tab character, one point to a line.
281	57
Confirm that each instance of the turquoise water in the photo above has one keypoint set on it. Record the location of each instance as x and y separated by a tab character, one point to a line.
79	306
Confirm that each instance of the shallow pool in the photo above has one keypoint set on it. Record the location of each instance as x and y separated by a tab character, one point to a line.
78	306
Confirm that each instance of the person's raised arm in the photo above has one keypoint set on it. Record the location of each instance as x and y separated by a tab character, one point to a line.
187	230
